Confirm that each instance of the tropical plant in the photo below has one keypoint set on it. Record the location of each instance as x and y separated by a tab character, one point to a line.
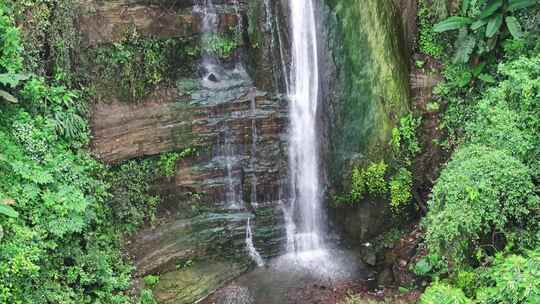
482	32
511	279
440	293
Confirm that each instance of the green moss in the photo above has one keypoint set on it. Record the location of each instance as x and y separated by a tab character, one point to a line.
371	60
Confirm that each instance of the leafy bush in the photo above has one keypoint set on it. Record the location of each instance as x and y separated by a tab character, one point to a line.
512	279
151	280
404	140
167	161
370	180
400	189
481	191
131	202
486	26
440	293
429	41
147	297
498	127
59	243
220	46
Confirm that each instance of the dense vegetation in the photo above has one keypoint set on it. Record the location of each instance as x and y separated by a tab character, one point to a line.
482	228
60	227
63	214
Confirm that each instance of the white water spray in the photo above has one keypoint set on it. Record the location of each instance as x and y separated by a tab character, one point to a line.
252	251
305	228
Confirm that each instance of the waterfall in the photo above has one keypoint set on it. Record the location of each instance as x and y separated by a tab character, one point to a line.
305	225
209	28
253	158
252	251
232	196
215	77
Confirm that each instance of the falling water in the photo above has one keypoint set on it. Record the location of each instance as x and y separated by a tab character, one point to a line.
253	157
303	142
231	193
252	251
209	28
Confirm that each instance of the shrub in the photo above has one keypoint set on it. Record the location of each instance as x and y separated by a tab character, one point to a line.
400	189
440	293
370	180
512	279
498	127
131	202
404	140
481	191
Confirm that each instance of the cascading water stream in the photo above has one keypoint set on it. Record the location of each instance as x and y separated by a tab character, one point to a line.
213	75
304	215
209	27
252	251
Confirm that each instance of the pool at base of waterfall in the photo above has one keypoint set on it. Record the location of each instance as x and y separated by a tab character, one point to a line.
307	277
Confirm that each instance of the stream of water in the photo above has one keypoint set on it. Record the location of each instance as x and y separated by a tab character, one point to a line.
309	259
215	77
305	230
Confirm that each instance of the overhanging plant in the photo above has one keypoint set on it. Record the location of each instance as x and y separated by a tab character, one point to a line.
482	32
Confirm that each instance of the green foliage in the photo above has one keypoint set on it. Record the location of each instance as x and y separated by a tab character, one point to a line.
482	32
440	293
481	191
144	63
59	242
429	41
167	161
147	297
8	211
221	46
151	280
59	238
404	140
132	203
400	189
486	202
369	181
511	279
499	127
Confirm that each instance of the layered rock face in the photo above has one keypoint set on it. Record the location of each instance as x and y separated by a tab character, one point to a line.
145	60
236	121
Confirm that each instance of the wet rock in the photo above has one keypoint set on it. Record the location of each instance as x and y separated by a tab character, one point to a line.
186	286
213	78
385	277
108	21
404	253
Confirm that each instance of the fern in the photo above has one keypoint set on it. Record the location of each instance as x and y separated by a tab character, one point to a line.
465	45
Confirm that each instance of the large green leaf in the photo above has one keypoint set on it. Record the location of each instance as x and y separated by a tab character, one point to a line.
514	27
12	80
519	4
8	211
8	97
464	47
452	23
478	24
491	8
494	25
